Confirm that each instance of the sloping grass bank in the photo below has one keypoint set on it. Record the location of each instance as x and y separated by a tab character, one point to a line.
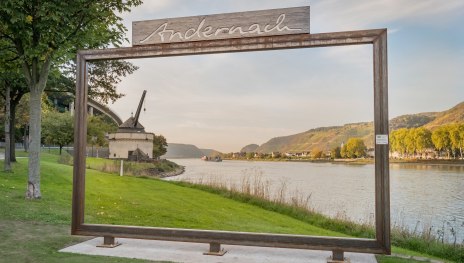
403	242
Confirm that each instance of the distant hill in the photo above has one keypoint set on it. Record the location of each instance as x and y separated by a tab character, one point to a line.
249	148
177	150
455	114
412	120
210	152
320	138
326	138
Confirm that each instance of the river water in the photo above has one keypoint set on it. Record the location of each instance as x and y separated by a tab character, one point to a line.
422	196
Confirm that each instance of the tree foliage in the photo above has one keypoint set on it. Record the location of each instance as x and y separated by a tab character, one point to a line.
456	132
103	78
354	148
317	153
58	129
97	130
441	139
159	146
422	139
397	141
46	33
336	153
448	139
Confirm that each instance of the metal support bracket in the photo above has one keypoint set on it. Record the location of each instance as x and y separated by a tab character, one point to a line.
215	250
338	257
109	242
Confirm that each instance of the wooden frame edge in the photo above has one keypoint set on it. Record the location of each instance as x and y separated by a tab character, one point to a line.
377	37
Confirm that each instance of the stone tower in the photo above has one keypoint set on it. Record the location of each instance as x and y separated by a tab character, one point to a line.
131	141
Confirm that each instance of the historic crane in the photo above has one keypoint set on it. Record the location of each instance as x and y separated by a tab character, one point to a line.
137	114
131	141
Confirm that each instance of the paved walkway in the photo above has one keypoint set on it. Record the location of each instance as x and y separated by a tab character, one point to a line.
193	252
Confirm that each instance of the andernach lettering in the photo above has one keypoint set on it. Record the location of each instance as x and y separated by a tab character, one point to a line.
204	31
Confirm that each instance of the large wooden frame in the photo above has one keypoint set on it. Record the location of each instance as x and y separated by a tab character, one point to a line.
378	39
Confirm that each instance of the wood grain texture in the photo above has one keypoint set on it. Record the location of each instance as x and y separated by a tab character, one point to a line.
236	45
235	238
80	139
382	173
222	26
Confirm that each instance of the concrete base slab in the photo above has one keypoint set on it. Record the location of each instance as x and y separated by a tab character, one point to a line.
193	252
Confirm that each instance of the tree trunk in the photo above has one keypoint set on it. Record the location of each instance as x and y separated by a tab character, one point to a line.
61	147
12	132
7	163
35	111
36	77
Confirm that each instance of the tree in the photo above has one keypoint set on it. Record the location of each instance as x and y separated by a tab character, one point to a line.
422	139
12	88
456	133
43	33
98	127
159	146
397	141
103	77
317	153
250	155
410	142
441	139
58	129
336	152
354	148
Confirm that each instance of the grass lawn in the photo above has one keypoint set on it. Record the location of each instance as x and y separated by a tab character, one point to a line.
33	231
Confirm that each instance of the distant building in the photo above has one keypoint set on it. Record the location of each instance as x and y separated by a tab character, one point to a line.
131	141
128	139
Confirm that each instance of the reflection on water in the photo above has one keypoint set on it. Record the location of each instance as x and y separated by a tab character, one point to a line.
422	195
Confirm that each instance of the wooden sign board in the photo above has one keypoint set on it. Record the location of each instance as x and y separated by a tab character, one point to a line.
286	21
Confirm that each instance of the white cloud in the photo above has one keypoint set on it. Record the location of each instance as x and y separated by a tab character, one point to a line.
346	15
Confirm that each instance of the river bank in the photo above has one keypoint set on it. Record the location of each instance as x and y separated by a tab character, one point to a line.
422	196
402	240
358	161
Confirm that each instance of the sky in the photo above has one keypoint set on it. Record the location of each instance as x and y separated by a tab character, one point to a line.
226	101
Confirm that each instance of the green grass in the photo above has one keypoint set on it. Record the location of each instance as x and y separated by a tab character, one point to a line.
33	231
405	245
303	215
35	241
382	259
150	202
